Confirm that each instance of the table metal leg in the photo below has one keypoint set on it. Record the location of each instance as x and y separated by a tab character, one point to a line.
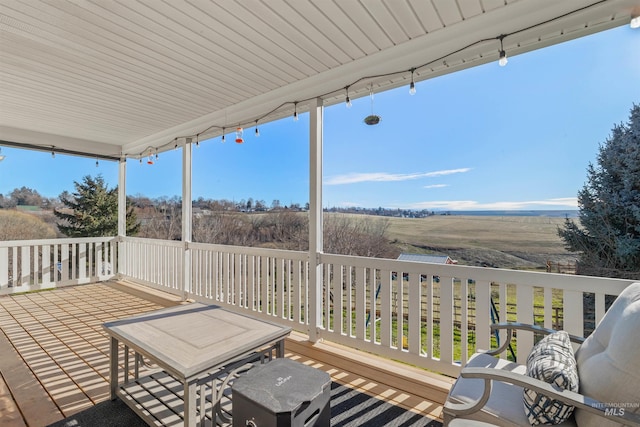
113	368
190	403
280	348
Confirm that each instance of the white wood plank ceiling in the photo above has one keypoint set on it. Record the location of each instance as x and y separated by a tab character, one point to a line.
113	77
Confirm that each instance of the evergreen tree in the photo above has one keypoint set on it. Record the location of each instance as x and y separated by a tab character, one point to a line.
609	237
93	210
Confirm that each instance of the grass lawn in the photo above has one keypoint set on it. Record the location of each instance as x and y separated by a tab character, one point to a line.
471	337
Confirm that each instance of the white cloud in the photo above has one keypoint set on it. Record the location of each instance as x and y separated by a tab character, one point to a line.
447	172
353	178
436	186
470	205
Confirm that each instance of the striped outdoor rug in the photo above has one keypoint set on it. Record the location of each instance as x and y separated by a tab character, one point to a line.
349	408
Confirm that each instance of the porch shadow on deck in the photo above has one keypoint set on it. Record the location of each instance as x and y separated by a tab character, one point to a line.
54	361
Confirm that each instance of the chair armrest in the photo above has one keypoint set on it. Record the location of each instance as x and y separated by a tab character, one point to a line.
513	326
566	396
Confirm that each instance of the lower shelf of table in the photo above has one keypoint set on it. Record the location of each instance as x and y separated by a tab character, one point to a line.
158	399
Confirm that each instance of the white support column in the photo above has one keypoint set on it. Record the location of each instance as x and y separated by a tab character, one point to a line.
315	218
186	214
122	214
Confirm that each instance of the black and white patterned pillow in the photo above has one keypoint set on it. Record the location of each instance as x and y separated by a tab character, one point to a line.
551	361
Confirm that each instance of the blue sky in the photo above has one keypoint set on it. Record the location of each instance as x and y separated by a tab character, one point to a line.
490	137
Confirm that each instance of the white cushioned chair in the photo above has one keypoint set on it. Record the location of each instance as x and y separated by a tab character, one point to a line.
608	364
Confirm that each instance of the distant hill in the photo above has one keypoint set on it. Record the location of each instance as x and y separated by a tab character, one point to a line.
504	241
545	213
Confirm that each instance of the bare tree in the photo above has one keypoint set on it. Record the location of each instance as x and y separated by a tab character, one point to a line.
226	228
280	228
161	220
357	236
289	229
26	196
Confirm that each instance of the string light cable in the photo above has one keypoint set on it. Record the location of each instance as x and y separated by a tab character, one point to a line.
502	59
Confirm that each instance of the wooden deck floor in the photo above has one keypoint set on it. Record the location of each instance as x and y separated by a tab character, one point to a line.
54	356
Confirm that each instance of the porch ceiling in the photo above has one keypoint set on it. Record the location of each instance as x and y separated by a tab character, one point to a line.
112	78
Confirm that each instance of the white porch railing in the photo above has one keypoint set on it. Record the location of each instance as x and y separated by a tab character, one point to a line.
429	315
435	316
28	265
270	283
153	262
414	312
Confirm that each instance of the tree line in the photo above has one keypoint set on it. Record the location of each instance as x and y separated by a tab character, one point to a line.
91	210
25	196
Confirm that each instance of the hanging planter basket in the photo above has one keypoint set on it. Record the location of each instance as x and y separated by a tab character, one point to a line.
373	119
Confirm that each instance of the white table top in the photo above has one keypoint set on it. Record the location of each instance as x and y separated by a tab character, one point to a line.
192	338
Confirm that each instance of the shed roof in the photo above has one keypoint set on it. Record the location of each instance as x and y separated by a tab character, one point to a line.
435	259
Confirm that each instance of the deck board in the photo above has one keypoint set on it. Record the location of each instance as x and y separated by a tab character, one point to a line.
25	389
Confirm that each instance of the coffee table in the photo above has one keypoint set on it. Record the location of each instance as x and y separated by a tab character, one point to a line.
178	355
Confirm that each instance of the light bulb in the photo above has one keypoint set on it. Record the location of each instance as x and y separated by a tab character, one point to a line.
257	131
503	55
223	137
97	164
503	58
348	102
295	111
53	154
412	86
635	22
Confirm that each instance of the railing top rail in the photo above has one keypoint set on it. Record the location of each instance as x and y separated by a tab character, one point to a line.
157	242
277	253
62	241
520	277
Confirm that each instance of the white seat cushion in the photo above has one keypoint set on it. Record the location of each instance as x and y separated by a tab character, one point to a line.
504	407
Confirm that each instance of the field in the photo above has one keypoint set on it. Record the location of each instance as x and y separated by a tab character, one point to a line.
526	242
522	242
